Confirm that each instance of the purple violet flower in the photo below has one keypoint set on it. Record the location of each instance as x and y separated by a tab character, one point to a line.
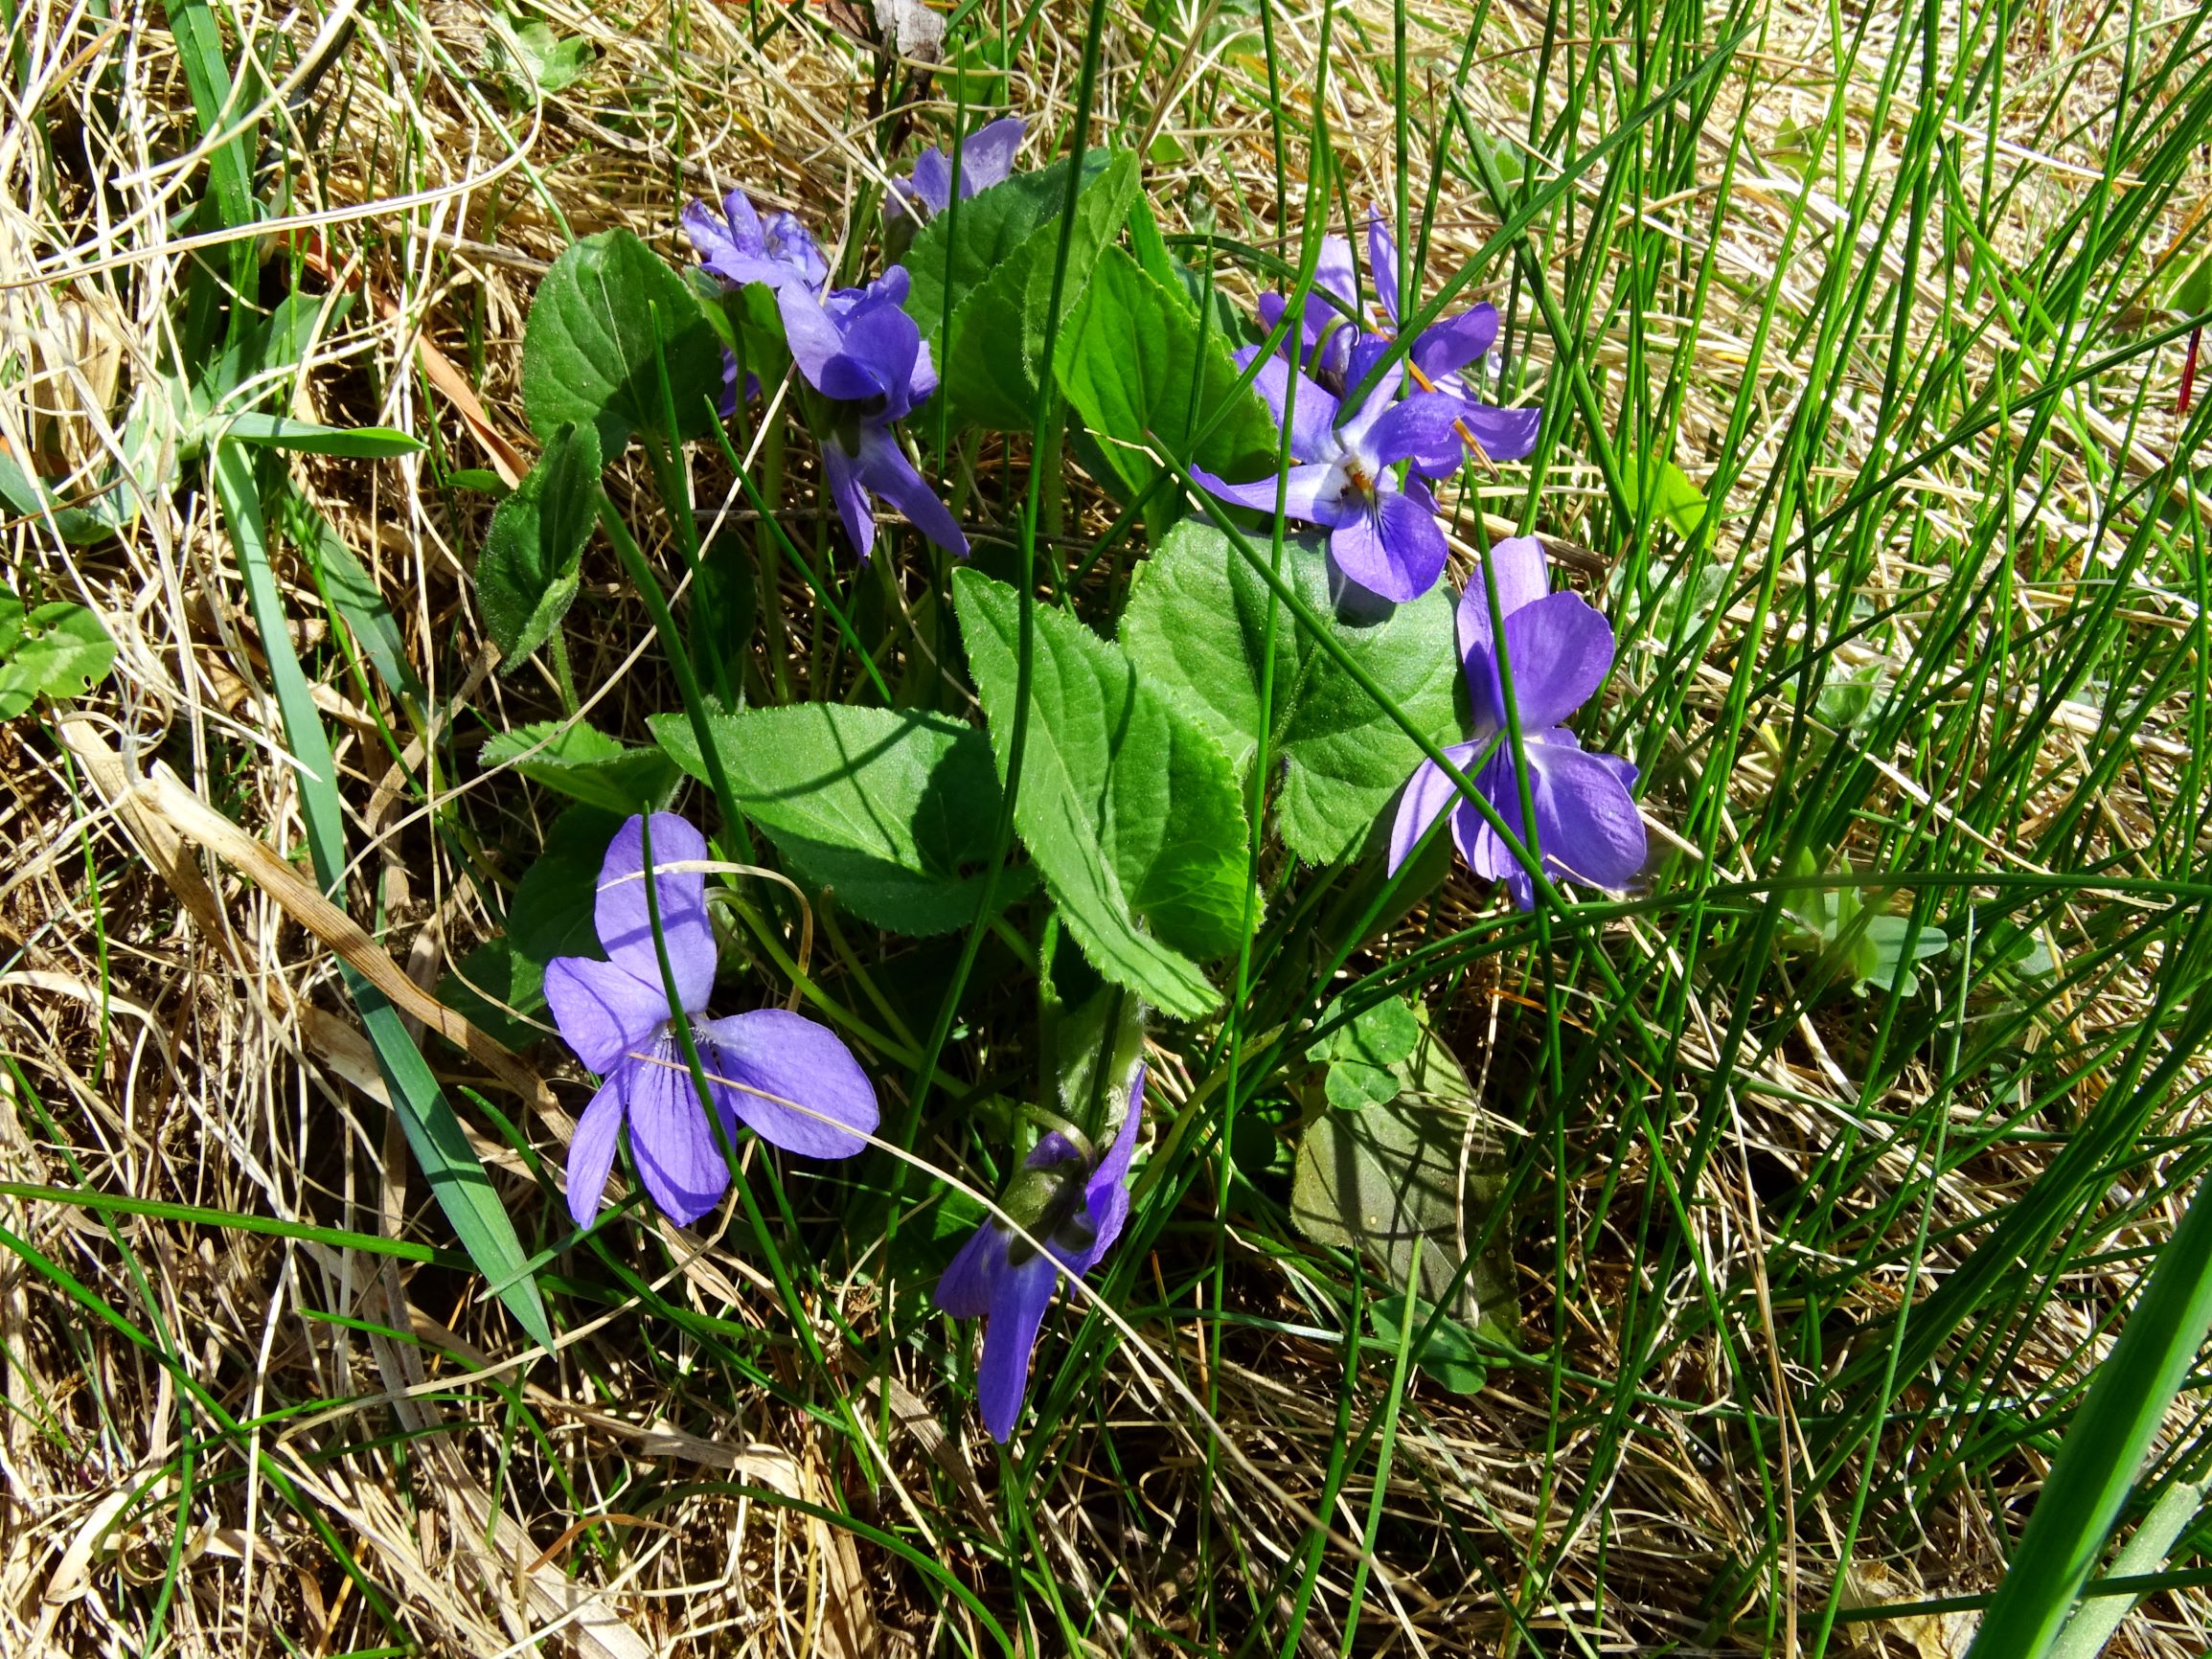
741	247
1445	349
1382	534
866	357
986	158
1075	1202
1560	650
762	1067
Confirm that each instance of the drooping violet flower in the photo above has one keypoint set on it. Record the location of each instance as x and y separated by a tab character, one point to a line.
1075	1202
1383	534
762	1067
866	355
986	158
1331	322
741	247
1560	652
1445	349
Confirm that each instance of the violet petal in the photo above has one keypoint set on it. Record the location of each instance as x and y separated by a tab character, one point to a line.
624	921
765	1065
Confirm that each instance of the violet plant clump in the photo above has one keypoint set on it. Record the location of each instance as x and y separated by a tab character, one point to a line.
1072	1199
792	1082
1559	651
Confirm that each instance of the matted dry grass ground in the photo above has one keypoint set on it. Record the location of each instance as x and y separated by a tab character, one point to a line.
178	1037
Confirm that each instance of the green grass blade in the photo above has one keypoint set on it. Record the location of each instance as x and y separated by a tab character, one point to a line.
2105	1446
434	1134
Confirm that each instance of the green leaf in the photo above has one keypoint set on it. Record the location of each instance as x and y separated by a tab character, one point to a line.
552	912
497	987
57	651
526	576
1134	367
1352	1086
1402	1170
586	764
1197	629
998	330
1449	1355
1382	1033
305	438
1131	811
956	253
31	498
894	809
602	312
1887	964
1676	501
550	62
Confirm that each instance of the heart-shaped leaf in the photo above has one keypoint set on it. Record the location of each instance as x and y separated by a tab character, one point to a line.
1131	811
893	808
608	316
1147	381
1197	626
526	576
586	765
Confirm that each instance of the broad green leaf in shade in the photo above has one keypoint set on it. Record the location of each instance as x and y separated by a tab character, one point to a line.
1416	1166
526	576
1676	501
1131	811
1195	627
55	650
305	438
603	314
30	499
586	764
498	990
553	909
1450	1356
1133	365
992	354
895	809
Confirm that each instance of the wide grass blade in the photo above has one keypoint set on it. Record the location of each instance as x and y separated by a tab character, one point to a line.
434	1133
2105	1446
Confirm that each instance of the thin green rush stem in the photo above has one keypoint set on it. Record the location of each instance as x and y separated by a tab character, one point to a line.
1002	841
1319	170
